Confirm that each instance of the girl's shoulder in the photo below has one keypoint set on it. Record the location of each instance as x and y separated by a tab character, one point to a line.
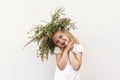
57	50
77	48
77	45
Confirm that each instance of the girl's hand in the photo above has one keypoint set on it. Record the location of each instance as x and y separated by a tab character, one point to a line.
70	45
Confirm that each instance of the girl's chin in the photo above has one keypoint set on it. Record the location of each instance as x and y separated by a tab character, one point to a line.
65	45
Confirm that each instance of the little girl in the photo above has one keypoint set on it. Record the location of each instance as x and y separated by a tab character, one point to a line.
55	38
68	55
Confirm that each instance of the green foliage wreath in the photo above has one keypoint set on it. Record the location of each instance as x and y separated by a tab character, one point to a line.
42	33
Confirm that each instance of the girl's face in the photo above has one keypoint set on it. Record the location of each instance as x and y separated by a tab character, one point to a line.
60	39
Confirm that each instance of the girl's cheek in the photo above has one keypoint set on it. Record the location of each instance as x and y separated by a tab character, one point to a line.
57	45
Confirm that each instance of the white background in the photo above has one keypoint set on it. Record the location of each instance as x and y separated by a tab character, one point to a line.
98	23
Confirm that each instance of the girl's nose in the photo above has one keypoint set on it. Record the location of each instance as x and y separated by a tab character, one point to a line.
62	41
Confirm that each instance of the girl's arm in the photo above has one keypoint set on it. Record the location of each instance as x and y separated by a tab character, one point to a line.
62	58
75	60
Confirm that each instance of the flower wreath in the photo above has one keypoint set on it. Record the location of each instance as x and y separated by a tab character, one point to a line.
42	34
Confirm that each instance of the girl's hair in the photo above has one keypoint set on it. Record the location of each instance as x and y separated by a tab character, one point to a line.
70	35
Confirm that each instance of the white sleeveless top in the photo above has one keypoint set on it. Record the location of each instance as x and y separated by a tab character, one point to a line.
68	73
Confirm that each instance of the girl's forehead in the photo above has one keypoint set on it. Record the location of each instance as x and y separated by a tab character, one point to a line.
56	34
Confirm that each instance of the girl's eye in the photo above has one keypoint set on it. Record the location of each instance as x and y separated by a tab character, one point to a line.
60	36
